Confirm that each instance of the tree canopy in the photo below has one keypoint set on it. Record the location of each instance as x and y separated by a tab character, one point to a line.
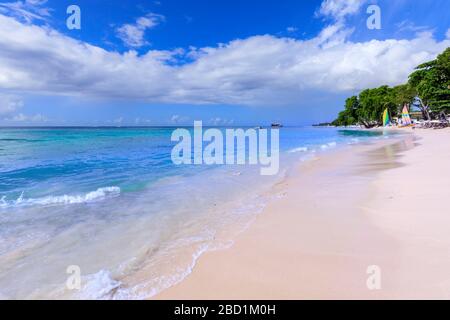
432	82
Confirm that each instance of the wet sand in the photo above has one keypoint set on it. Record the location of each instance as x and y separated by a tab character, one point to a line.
339	214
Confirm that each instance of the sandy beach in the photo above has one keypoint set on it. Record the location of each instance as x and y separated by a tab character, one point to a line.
385	204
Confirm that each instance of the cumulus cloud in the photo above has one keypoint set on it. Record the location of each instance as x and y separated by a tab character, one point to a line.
133	35
254	71
448	33
9	104
27	10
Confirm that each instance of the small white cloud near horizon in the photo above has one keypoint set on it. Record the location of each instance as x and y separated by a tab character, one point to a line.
448	33
9	104
21	117
139	121
9	110
178	119
118	120
133	35
24	118
221	122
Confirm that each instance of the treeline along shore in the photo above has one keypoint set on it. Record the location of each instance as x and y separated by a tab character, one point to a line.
426	95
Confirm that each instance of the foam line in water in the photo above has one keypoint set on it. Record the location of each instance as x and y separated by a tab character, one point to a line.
300	149
99	286
328	145
96	195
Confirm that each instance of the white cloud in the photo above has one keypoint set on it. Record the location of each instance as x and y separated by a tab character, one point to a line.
339	9
133	35
291	29
448	33
9	104
220	122
26	118
177	119
140	121
253	71
27	10
118	121
407	25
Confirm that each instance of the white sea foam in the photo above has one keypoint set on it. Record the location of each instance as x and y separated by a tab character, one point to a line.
102	285
353	141
328	145
300	149
96	195
171	280
332	144
99	286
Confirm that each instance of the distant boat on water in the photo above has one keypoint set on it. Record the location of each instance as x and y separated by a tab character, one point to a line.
277	125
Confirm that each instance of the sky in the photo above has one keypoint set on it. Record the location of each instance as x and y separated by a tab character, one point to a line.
225	62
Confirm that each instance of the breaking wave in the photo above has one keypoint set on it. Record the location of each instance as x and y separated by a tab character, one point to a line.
99	194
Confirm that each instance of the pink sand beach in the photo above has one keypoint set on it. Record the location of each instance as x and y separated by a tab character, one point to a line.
384	205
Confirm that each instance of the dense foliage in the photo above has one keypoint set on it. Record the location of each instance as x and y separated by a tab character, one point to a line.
430	81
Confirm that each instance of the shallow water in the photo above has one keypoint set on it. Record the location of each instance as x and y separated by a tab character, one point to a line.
110	201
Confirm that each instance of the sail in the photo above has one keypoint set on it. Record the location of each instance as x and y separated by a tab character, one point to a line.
386	120
406	119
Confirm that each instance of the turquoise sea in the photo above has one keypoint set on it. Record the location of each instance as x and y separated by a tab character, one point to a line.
110	201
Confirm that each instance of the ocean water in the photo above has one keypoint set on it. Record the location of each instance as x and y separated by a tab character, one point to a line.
111	202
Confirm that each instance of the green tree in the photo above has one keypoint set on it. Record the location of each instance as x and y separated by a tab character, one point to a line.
348	116
403	94
432	82
372	103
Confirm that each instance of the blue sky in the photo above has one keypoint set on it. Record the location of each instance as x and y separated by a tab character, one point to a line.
228	62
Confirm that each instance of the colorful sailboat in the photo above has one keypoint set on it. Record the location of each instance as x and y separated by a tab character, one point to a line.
406	119
386	120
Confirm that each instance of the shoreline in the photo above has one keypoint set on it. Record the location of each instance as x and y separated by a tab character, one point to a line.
317	241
